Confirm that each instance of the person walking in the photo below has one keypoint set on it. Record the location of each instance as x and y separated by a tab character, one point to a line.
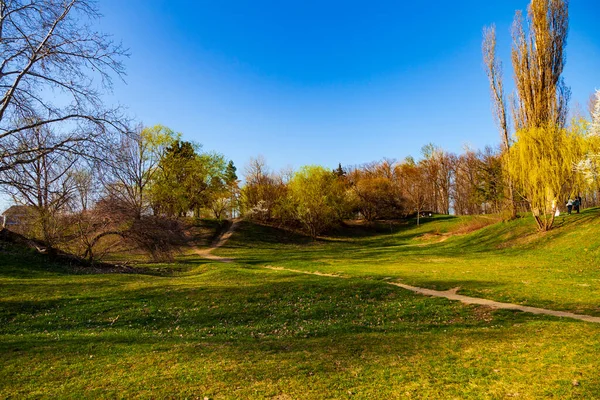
576	205
569	206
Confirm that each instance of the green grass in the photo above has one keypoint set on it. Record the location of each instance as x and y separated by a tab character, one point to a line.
196	329
507	261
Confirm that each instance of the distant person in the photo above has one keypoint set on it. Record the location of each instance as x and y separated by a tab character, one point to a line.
576	204
580	202
569	206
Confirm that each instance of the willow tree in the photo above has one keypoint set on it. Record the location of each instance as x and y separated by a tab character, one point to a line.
542	160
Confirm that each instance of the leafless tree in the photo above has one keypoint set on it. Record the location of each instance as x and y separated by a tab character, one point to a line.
493	69
86	185
127	173
49	50
415	185
263	192
46	184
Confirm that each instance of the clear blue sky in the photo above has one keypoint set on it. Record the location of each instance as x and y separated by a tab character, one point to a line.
316	82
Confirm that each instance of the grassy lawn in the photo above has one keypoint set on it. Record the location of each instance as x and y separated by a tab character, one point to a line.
196	329
507	261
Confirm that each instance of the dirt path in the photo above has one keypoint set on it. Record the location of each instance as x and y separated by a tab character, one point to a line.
220	241
452	295
447	294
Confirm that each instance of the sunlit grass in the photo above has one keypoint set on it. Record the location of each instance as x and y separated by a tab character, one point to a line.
201	329
507	261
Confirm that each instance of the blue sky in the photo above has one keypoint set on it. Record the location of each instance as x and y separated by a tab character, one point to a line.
318	82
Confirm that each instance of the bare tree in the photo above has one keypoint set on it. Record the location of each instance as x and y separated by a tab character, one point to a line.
493	69
46	185
86	186
438	166
415	185
49	50
132	165
263	192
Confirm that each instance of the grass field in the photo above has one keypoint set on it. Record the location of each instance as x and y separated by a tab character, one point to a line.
196	329
508	261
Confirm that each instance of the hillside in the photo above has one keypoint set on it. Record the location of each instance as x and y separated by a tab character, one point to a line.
504	261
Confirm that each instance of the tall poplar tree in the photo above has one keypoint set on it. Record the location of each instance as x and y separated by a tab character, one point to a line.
542	157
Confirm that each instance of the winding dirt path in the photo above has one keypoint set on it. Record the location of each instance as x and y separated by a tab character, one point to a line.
447	294
452	295
220	241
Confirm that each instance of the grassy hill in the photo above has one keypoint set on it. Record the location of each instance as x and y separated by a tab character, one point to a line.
198	329
505	261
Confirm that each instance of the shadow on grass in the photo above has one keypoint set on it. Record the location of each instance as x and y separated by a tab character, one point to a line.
17	262
27	264
237	305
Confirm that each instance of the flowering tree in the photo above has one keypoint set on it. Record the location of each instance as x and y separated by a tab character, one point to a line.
589	166
595	128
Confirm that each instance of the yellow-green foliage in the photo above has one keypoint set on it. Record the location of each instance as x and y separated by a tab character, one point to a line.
317	196
541	162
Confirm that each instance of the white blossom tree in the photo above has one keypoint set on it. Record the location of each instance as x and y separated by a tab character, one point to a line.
590	165
595	127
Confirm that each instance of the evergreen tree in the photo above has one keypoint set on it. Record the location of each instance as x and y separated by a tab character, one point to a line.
339	171
230	175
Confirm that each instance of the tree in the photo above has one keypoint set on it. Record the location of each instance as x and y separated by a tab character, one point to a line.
438	166
85	186
493	68
171	190
539	105
45	185
48	50
466	183
232	183
415	184
374	191
265	192
317	197
595	127
538	60
491	178
133	164
186	179
589	166
339	171
542	163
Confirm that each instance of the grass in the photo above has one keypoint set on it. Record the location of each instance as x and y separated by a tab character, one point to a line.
507	261
197	329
